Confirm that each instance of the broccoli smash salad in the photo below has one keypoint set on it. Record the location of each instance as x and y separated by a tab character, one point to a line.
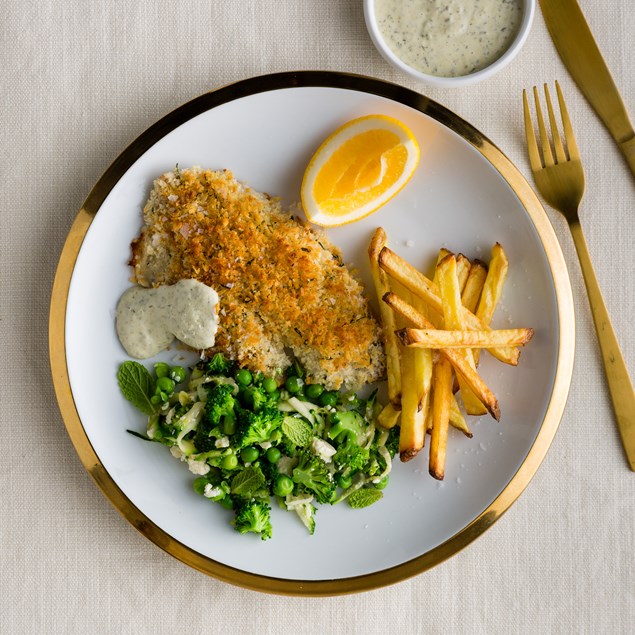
252	441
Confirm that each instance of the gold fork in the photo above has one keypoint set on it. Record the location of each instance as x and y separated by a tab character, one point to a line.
560	180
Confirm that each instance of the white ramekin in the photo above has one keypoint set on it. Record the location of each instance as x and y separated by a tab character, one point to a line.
450	82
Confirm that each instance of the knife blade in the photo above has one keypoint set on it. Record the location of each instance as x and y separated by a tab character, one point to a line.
578	50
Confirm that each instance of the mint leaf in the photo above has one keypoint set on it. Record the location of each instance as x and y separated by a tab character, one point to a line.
248	483
298	431
137	386
364	497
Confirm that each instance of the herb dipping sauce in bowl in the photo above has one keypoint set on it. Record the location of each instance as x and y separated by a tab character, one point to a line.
449	42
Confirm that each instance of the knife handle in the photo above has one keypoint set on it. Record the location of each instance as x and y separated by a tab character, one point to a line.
619	382
628	150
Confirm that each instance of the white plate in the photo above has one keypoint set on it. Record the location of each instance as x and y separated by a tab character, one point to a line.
465	195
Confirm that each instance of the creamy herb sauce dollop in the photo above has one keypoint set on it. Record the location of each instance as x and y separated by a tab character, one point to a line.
449	38
148	320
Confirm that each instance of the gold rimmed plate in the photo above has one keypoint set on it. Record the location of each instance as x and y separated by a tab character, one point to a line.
465	195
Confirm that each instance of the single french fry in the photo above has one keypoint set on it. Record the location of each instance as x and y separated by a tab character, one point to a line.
411	433
428	418
457	420
476	384
419	284
434	338
471	293
463	268
442	381
453	317
443	252
493	287
380	280
416	378
389	416
421	305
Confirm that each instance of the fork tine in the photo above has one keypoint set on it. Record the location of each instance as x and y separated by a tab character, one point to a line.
572	146
532	146
544	139
561	157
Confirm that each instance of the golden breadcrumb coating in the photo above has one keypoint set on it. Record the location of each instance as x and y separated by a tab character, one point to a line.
282	286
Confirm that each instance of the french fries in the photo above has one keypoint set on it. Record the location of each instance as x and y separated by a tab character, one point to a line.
471	292
449	288
416	376
435	338
463	269
389	416
442	380
492	287
423	287
412	433
380	280
476	384
434	331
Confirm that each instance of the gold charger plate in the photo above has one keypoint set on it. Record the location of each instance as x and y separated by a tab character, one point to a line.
334	96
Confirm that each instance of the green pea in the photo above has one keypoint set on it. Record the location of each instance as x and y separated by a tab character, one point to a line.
344	481
166	385
275	394
313	391
273	455
155	399
382	484
269	384
328	399
177	374
249	455
243	377
162	369
228	424
199	485
283	485
229	462
294	385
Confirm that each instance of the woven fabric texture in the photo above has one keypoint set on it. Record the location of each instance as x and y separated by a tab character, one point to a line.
80	80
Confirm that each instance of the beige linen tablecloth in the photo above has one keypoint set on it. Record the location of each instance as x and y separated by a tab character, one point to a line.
80	80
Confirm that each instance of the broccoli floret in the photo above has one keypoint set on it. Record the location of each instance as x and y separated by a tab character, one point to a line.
202	441
347	423
255	427
218	365
351	456
256	398
312	474
220	402
253	516
270	472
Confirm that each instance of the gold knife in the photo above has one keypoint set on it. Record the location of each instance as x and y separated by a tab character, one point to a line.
579	52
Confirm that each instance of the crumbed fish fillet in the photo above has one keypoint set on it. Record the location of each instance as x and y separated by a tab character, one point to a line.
283	287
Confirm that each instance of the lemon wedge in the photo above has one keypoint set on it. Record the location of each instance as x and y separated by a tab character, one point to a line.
361	166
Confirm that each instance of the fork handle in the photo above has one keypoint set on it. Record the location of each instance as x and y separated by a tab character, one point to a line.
620	385
628	150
